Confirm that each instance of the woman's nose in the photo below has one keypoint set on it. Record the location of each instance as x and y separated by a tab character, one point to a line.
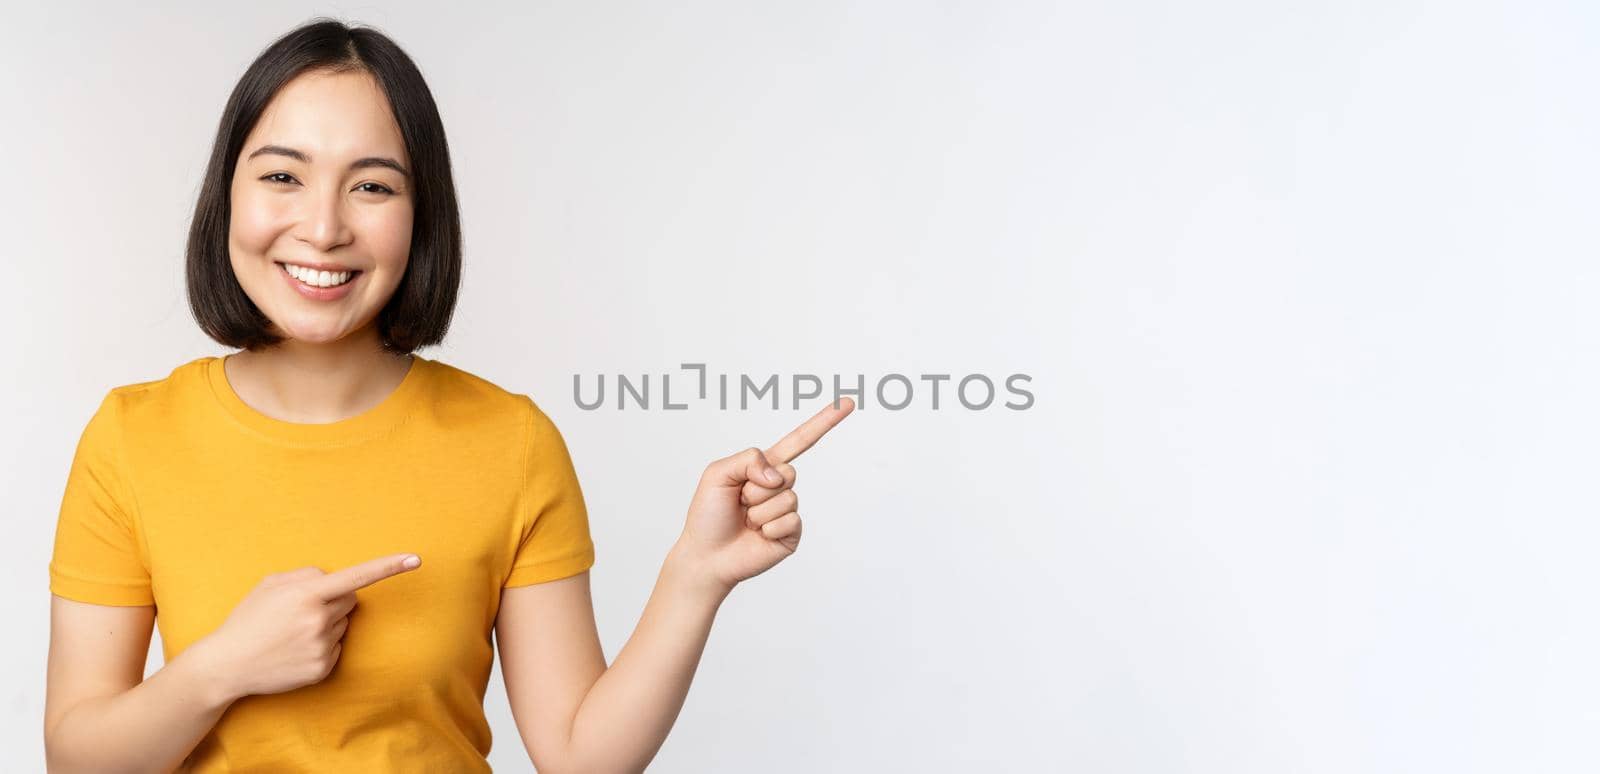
323	224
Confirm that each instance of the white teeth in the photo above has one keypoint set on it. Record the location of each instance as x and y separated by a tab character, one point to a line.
321	279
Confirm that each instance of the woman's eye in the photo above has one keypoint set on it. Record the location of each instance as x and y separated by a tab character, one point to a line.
284	178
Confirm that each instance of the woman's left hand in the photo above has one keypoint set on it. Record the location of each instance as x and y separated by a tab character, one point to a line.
744	517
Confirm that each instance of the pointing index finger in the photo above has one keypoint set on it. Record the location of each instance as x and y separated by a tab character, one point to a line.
809	432
342	582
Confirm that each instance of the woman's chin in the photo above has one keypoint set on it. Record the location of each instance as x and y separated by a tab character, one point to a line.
311	334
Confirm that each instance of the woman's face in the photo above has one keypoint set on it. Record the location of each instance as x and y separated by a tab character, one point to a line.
317	186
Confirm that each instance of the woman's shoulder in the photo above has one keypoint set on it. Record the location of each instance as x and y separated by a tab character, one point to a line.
184	376
158	398
455	386
470	403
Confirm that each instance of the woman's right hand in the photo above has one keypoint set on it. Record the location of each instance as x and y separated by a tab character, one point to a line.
286	632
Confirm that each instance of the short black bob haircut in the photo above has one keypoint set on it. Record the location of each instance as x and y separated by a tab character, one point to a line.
419	312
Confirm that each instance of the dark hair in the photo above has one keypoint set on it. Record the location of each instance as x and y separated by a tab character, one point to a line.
419	312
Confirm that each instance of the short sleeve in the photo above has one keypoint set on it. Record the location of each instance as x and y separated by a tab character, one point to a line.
555	541
97	558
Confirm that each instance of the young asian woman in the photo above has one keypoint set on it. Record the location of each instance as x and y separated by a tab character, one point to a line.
332	526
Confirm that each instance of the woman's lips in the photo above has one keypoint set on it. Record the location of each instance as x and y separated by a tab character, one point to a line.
315	293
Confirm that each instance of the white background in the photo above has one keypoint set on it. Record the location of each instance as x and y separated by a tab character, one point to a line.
1307	292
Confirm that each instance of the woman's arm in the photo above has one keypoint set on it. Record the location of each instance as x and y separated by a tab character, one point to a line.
99	715
574	713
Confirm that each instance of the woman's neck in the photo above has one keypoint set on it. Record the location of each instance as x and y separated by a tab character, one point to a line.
316	383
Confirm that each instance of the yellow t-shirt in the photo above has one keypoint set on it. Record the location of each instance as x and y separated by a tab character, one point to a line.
183	497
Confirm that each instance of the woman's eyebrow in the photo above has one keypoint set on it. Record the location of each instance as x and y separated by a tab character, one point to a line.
363	163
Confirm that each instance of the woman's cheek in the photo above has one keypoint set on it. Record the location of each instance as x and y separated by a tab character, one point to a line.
254	224
392	236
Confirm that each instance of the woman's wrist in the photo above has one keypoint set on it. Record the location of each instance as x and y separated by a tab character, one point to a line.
214	679
689	571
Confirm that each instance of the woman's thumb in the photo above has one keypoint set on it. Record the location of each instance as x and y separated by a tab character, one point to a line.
747	465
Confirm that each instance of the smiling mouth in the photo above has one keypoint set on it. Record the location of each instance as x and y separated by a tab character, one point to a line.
318	279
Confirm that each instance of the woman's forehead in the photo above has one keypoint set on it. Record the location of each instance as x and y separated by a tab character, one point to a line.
330	116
